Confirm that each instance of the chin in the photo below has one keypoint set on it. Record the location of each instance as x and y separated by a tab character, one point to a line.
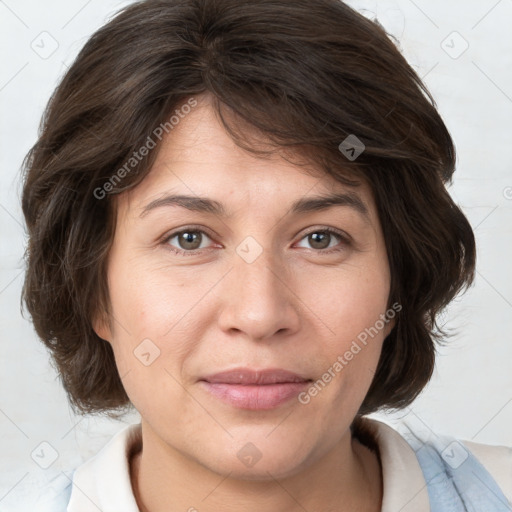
259	461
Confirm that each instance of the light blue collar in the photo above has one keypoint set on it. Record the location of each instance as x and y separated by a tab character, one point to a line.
456	480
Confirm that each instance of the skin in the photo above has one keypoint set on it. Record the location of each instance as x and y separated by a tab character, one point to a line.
294	307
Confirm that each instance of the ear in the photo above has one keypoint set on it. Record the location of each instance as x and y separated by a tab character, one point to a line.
389	327
101	326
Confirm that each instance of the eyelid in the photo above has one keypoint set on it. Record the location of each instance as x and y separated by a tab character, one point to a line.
345	240
339	232
344	237
196	228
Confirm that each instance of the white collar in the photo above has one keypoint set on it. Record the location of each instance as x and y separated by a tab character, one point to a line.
104	480
404	486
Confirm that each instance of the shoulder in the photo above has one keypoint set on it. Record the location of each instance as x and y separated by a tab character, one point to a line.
102	480
477	473
48	494
452	471
52	496
498	462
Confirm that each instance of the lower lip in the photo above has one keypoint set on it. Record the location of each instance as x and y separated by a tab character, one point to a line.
256	397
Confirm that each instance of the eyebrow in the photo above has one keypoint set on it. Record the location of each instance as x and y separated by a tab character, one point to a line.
304	205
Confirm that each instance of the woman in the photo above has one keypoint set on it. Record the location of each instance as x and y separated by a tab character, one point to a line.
239	226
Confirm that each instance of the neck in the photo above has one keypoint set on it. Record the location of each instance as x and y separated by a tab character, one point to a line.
348	478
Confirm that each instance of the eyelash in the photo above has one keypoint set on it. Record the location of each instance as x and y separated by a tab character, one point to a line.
345	239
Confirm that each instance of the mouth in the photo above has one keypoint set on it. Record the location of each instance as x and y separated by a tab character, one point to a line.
245	388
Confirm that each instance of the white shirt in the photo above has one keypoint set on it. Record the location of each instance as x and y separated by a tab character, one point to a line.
103	482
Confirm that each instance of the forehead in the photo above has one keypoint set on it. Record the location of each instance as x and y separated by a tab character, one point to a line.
199	158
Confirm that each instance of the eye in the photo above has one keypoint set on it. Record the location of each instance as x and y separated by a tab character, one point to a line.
321	240
189	241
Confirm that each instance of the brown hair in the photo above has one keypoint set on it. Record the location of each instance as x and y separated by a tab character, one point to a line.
305	74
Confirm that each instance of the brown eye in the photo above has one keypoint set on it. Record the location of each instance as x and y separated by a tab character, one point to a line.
324	240
320	239
186	241
190	240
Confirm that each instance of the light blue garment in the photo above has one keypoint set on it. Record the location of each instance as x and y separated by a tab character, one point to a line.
56	495
456	480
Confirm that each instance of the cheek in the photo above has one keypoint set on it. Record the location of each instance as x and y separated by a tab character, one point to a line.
347	300
153	335
349	303
144	299
157	311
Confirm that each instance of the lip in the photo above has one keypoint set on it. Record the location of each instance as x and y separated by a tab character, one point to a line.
246	388
246	376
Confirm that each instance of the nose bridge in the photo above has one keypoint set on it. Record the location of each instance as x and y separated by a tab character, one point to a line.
258	298
258	269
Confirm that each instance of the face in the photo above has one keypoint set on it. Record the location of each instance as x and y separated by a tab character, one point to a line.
259	285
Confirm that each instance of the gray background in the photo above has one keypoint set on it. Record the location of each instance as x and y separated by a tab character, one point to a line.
471	393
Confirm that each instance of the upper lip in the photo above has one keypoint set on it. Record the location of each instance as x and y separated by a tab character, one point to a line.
247	376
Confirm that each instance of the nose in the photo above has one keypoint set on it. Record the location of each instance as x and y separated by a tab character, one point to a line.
258	299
